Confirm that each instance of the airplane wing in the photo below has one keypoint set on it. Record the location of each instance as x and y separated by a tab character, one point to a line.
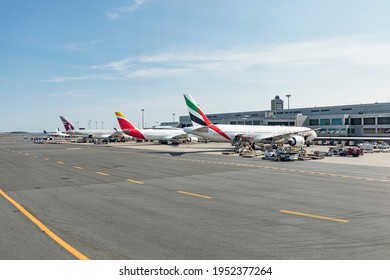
180	136
204	129
276	136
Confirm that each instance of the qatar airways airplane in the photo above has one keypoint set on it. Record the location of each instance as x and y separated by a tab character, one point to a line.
295	136
90	133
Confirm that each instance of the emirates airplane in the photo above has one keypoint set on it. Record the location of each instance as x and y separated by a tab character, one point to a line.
162	135
295	136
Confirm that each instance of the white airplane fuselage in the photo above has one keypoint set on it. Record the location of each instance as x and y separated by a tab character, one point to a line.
258	132
99	133
157	134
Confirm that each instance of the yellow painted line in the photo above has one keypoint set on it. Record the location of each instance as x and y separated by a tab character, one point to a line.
78	167
134	181
61	242
60	162
102	173
46	158
194	194
314	216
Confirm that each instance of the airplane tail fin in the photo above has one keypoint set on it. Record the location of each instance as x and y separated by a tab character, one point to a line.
44	132
196	114
67	124
124	122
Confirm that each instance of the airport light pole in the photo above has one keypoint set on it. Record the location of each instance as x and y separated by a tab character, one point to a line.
142	110
173	114
288	104
102	125
96	125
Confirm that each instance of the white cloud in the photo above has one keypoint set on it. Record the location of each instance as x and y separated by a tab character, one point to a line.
336	54
63	79
72	93
115	12
334	70
83	46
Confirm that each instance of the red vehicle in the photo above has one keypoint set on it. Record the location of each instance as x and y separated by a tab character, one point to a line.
355	152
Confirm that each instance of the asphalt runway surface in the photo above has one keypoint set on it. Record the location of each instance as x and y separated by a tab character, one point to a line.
111	202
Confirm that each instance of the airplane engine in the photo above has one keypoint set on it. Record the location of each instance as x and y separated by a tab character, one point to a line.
296	140
192	139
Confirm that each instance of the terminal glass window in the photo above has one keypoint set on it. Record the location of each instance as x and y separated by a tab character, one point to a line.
384	130
333	131
313	122
369	131
346	121
256	122
356	121
324	121
369	121
383	120
338	121
248	122
232	122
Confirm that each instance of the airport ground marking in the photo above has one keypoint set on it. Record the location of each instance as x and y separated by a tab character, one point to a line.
195	194
102	173
60	162
135	181
46	230
78	167
46	158
313	216
326	174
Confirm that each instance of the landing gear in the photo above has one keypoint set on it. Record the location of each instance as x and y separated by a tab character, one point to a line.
243	147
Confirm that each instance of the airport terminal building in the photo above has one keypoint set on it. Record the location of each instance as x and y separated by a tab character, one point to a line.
361	120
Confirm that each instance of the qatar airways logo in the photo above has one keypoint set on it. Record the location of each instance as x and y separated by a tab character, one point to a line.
67	125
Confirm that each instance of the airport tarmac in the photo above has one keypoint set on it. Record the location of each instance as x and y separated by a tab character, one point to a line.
147	201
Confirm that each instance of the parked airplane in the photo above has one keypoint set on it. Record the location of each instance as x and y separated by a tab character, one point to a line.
90	133
202	126
162	135
56	133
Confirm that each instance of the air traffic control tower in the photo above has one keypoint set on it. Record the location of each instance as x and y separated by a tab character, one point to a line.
277	104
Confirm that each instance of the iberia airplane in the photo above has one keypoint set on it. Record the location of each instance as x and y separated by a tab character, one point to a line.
163	135
295	136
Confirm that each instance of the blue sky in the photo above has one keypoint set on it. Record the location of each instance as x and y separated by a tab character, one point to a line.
86	59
